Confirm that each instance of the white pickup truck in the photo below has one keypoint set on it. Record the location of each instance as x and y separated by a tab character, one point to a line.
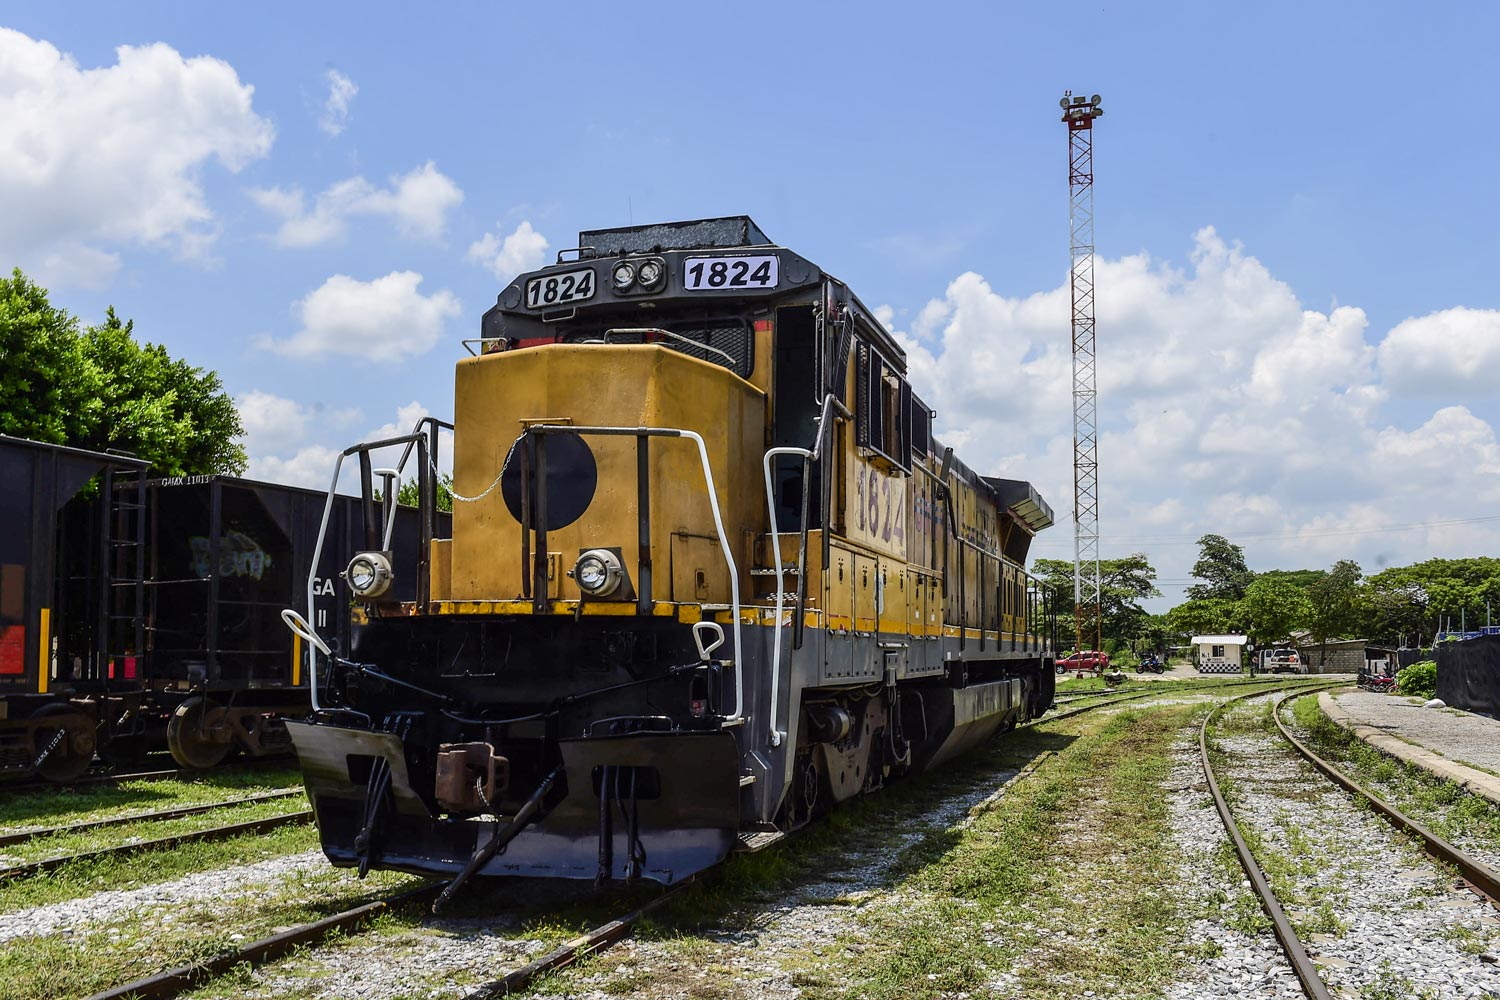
1281	661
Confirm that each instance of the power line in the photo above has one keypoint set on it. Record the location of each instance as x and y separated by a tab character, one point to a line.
1292	532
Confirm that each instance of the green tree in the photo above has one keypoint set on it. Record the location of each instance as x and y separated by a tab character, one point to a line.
1153	633
1411	601
406	496
101	389
1272	608
1123	584
1204	616
44	378
1221	567
1299	578
1334	604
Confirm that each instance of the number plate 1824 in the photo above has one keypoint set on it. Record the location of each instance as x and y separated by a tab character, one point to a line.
715	274
559	289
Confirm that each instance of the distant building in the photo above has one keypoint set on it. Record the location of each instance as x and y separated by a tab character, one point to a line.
1336	656
1219	654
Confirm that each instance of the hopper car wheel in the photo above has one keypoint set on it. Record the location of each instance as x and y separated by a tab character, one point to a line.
71	757
196	743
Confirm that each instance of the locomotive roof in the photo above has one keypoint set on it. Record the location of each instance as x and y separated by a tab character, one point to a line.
694	234
732	232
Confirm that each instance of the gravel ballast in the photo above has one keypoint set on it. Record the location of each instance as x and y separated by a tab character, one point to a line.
103	907
1388	917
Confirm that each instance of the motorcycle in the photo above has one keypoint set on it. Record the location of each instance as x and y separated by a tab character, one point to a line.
1150	664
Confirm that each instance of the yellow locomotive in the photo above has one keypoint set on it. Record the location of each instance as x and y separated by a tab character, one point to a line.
709	573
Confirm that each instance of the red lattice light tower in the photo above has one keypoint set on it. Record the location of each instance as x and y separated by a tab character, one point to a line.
1079	114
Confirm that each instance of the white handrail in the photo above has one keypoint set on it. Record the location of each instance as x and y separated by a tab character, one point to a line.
314	642
806	454
713	499
778	735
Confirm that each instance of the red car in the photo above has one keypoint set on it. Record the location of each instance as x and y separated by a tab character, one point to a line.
1089	659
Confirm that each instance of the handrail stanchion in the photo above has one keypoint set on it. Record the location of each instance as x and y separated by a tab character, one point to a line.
541	590
643	529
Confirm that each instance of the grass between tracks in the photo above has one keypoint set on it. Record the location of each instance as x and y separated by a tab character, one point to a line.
59	845
20	811
93	953
1440	805
88	876
1062	885
1287	855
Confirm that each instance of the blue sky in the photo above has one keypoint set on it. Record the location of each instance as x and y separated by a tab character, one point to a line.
1339	153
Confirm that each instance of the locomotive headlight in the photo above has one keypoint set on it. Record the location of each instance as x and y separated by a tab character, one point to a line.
623	276
598	572
650	274
369	575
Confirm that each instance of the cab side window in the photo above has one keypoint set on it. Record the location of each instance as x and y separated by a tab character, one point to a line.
883	415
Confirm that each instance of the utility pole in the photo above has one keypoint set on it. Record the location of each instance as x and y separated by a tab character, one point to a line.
1078	113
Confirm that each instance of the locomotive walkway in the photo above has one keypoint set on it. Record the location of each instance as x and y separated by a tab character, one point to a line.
1458	746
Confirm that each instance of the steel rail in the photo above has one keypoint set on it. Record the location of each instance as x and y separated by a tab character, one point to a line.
149	817
1265	687
610	933
1483	878
591	943
179	774
1296	953
1201	680
91	779
174	982
160	843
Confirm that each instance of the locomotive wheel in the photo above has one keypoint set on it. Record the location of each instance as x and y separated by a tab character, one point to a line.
195	742
71	757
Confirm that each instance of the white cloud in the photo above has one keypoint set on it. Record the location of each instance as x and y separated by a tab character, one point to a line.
341	91
276	440
104	158
523	250
275	424
1452	351
386	319
1225	406
310	467
417	202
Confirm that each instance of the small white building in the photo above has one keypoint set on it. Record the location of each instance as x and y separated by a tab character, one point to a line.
1219	654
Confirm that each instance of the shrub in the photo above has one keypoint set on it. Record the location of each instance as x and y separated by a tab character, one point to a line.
1419	679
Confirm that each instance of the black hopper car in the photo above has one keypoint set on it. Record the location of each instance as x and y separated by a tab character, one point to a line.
138	614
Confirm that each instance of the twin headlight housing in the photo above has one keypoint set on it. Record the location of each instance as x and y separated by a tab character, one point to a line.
370	575
598	573
641	275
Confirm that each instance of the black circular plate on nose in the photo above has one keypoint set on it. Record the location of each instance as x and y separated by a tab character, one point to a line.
572	478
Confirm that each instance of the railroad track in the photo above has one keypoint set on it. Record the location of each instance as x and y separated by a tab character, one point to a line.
159	844
163	814
1261	687
177	981
1481	878
95	779
177	774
